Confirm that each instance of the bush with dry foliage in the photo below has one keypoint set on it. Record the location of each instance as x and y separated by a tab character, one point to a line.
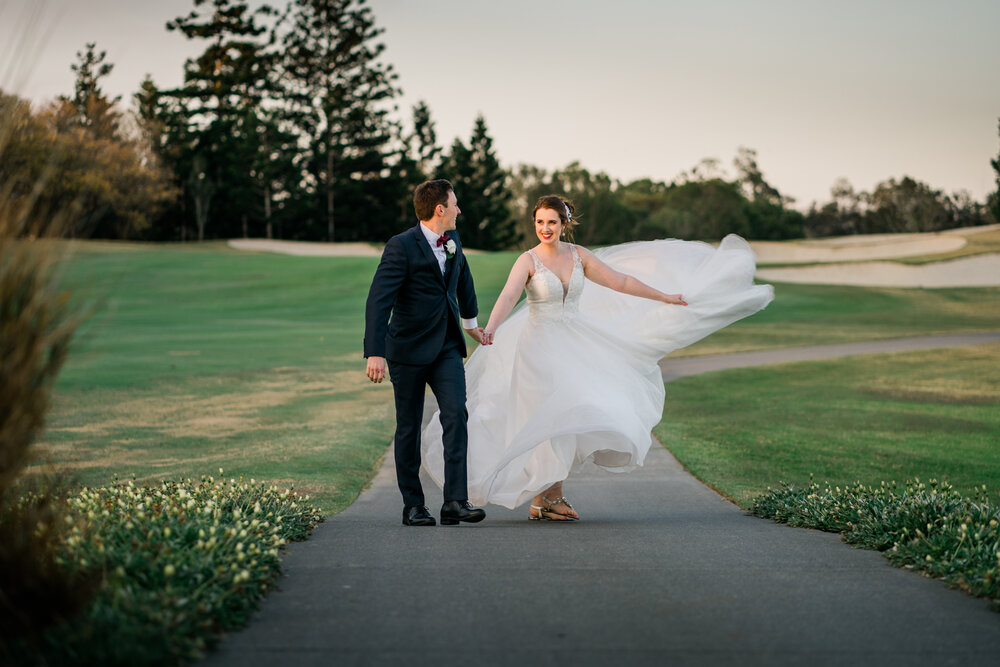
36	326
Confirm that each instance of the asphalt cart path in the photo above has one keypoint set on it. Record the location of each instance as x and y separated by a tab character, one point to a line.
661	570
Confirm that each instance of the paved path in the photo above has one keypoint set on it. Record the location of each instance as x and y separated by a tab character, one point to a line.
674	368
661	571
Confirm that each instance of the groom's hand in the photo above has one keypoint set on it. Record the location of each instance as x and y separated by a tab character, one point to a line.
376	369
477	335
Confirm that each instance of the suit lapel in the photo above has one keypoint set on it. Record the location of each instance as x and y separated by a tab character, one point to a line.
425	248
451	262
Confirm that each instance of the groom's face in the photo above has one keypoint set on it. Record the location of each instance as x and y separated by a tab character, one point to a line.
451	211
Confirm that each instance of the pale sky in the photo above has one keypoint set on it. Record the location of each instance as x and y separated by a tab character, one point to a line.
865	90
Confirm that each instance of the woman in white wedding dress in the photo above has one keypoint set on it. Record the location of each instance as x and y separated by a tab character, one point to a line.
573	378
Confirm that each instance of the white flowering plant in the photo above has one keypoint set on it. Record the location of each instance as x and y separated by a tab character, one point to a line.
180	563
928	527
450	247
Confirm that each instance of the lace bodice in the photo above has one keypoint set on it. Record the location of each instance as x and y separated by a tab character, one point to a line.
548	297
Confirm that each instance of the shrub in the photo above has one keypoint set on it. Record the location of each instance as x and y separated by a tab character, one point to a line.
180	563
927	527
36	326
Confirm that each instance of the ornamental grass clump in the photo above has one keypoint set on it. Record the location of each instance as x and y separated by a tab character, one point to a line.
180	563
928	527
37	321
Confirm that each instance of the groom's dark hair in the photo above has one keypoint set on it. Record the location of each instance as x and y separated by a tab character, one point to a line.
428	195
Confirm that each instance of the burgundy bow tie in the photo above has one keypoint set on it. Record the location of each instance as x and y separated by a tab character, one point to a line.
442	240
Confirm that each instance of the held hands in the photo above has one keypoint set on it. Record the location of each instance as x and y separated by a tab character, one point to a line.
479	335
376	369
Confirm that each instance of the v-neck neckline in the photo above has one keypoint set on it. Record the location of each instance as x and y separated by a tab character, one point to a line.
564	282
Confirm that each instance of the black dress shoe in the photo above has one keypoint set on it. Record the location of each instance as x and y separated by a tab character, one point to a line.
416	515
454	511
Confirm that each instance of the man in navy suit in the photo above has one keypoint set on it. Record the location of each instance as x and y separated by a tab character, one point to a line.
424	283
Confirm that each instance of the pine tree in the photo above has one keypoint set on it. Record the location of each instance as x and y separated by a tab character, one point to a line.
334	93
89	107
993	201
481	185
422	143
220	103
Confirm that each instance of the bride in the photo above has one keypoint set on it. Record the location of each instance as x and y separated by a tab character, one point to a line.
572	379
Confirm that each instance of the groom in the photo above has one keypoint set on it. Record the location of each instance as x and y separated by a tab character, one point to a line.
424	282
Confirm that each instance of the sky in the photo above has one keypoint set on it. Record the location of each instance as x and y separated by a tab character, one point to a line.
864	90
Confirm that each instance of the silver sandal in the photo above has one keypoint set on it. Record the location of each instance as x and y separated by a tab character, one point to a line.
547	513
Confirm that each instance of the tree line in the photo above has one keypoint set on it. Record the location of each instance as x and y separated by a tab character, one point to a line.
284	128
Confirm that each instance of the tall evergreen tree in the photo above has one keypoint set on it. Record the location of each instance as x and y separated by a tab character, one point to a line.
219	103
993	201
422	144
89	107
481	184
335	89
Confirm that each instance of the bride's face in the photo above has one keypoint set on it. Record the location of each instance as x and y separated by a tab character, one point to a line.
548	226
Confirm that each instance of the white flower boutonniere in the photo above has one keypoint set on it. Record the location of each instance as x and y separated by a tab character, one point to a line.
450	247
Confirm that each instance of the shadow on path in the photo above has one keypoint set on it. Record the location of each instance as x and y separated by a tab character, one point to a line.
661	570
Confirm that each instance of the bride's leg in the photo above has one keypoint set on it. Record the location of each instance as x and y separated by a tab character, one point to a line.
545	497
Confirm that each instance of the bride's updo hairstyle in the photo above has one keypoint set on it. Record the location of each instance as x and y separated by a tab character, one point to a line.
562	206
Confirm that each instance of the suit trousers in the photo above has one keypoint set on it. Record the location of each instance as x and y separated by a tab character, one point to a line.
446	378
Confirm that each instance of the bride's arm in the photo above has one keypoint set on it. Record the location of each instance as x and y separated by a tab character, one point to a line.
516	281
602	274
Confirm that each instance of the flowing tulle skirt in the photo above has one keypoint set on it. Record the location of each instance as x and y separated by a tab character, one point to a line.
554	394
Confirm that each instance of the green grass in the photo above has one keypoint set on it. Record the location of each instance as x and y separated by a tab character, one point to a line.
830	314
196	357
930	414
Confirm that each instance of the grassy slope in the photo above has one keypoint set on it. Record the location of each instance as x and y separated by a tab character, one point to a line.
930	414
196	357
828	314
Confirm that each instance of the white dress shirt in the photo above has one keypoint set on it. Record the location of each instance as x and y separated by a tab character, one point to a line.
442	256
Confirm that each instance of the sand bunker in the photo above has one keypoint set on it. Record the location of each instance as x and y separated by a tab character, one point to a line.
855	248
307	248
976	271
862	247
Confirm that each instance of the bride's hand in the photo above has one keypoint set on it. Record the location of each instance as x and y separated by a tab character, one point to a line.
487	337
674	299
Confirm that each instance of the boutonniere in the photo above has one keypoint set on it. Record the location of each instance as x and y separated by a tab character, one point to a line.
450	248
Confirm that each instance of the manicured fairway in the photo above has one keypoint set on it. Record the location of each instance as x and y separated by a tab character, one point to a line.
196	357
929	414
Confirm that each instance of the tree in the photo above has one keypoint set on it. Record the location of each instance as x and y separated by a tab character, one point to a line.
168	140
89	107
216	111
706	210
334	92
993	201
481	184
767	210
752	180
100	186
906	206
422	143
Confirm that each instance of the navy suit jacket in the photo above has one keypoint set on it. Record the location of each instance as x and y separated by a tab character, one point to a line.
424	305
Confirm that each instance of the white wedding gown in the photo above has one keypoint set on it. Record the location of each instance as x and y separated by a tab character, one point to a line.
574	379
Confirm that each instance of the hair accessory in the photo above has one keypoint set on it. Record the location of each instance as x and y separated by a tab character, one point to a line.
569	216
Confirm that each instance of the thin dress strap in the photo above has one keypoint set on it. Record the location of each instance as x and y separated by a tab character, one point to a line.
535	259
